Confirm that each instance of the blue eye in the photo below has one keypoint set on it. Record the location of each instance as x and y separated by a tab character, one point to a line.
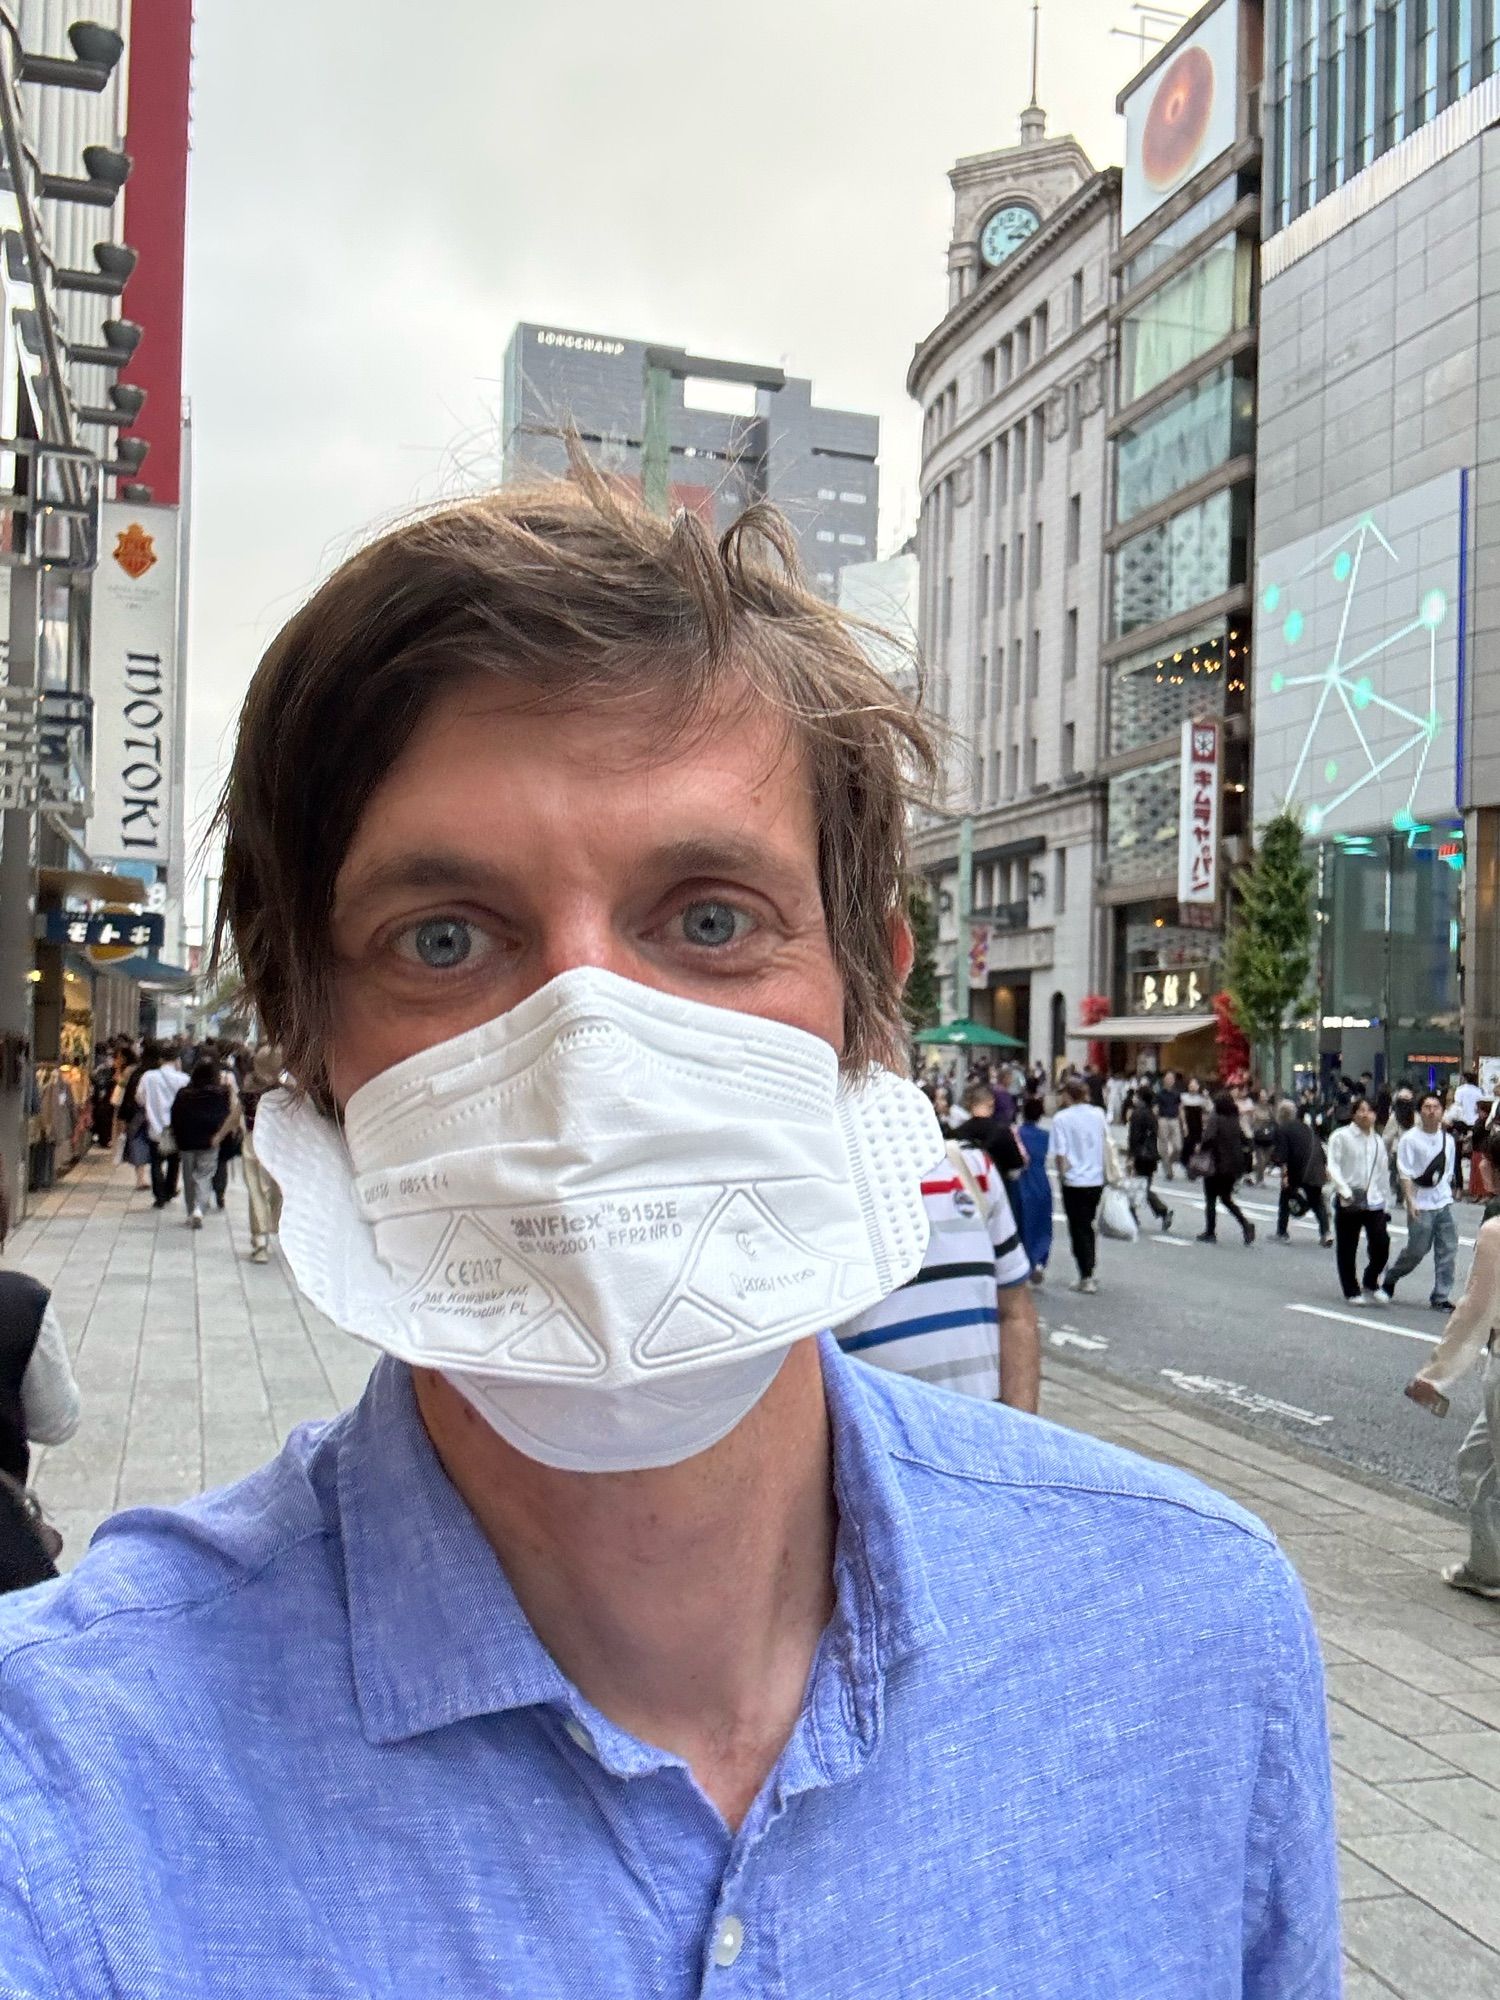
713	924
443	942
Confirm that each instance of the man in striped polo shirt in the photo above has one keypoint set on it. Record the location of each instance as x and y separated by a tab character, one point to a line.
967	1320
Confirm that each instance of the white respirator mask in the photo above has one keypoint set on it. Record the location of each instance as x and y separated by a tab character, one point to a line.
607	1214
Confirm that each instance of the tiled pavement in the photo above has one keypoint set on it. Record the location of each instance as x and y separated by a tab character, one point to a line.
195	1363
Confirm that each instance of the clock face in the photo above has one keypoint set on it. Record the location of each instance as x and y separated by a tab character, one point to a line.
1005	232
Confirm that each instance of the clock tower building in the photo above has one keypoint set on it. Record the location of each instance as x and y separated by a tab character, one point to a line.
1014	391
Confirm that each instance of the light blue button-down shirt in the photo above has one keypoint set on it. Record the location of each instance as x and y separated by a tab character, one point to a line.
1063	1740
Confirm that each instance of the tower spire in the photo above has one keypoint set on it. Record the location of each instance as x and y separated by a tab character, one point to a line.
1033	118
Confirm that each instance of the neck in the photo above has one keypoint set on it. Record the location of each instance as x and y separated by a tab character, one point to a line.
685	1603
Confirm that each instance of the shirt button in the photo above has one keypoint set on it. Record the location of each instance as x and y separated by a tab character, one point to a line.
729	1941
579	1734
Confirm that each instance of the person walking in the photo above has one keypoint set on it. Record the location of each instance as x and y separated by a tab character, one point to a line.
1224	1138
1142	1150
39	1404
1469	1338
201	1115
1031	1191
1424	1165
136	1151
158	1087
263	1193
1195	1108
1358	1172
1085	1160
1168	1124
1298	1152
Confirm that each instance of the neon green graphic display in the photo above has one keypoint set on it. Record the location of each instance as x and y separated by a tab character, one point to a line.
1358	652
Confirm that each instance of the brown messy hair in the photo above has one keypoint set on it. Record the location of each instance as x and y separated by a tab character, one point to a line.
573	593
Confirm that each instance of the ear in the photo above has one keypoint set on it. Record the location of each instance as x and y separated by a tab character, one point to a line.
903	946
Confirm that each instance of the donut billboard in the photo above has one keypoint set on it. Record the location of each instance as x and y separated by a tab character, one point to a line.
1181	116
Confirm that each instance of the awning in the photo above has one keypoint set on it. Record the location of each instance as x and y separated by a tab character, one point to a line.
96	883
154	975
1142	1028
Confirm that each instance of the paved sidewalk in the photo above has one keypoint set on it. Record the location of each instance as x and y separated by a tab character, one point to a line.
194	1364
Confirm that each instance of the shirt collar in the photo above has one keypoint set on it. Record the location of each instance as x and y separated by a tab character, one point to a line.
438	1636
436	1632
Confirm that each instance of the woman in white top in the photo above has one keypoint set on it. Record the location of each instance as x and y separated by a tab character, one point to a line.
1359	1169
1468	1337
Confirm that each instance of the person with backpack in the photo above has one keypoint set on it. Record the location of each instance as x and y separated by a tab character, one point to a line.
39	1404
1424	1164
1297	1151
1142	1149
1224	1139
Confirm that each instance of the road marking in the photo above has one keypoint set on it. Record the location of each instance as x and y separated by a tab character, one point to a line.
1373	1321
1241	1397
1171	1242
1090	1343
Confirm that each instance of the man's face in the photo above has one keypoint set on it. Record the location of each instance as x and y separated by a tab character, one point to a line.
1364	1117
505	847
982	1105
1169	1080
1431	1113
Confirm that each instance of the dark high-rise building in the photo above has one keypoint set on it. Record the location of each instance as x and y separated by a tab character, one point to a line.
818	466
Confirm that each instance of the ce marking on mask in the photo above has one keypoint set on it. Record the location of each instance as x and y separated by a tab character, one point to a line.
621	1225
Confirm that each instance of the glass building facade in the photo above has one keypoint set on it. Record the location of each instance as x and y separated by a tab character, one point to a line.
1348	79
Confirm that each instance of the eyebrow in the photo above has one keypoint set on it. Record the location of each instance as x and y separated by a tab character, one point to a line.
449	872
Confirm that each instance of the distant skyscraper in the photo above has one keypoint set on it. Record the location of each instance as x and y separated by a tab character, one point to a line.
817	465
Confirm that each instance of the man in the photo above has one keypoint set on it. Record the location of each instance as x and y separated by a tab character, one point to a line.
1460	1118
1298	1153
1424	1164
564	860
1359	1172
1085	1160
1469	1338
1169	1123
158	1087
966	1321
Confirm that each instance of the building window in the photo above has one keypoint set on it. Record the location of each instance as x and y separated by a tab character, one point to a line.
1183	561
855	499
994	776
1077	299
983	476
1070	749
992	679
1424	21
854	541
1489	55
1015	684
1075	413
1018	573
1186	317
1038	446
1007	353
1460	48
1023	348
947	605
1010	772
1199	429
984	585
1019	456
826	535
1151	694
1075	527
987	375
1034	665
1036	556
1000	574
1039	322
1002	469
1060	877
1031	763
1177	235
1070	647
1390	27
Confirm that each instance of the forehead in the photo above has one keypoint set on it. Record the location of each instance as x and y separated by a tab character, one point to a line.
499	772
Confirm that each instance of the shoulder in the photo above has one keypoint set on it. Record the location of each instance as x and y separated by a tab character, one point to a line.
163	1598
974	1464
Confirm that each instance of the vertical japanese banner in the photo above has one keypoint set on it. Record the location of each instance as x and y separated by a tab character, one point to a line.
979	953
1198	813
133	678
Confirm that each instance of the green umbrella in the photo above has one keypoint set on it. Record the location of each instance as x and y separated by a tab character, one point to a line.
967	1035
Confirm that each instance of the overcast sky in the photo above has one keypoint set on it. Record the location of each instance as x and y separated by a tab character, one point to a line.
380	190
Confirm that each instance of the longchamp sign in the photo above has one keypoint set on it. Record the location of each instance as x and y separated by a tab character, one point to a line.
133	679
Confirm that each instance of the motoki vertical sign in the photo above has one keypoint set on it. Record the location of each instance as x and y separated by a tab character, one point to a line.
1198	812
133	679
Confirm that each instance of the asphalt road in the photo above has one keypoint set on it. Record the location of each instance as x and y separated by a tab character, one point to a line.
1263	1334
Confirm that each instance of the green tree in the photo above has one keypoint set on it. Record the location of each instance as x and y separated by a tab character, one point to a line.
1271	937
921	996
